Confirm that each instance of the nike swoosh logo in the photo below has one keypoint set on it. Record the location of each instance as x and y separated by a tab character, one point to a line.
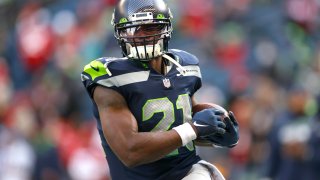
199	125
95	68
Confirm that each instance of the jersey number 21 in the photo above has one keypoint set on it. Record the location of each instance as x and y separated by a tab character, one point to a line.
165	106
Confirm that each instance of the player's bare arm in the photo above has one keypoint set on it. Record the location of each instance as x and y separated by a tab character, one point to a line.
121	131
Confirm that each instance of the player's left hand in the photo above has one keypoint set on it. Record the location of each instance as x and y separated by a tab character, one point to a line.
231	136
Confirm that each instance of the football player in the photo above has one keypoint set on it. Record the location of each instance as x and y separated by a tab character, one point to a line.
143	101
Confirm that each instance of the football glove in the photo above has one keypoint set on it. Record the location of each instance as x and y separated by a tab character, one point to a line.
208	122
230	137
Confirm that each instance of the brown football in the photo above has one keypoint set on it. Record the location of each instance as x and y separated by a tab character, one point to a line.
205	105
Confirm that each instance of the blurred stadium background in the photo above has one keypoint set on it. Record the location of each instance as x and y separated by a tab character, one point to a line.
259	58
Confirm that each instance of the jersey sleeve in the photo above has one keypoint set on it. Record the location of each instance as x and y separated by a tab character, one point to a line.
191	63
96	73
198	83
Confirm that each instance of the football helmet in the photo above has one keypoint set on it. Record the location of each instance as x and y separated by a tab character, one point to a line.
142	27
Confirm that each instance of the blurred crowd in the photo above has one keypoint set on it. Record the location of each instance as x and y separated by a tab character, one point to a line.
259	58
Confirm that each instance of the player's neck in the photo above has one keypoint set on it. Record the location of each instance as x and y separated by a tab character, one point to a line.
158	65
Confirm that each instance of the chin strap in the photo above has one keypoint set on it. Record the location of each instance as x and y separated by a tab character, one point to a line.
181	69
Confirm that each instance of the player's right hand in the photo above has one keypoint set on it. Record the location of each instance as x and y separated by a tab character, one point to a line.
208	122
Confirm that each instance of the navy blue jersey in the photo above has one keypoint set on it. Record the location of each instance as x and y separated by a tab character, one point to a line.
158	103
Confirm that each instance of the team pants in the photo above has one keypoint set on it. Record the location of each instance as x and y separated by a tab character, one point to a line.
204	171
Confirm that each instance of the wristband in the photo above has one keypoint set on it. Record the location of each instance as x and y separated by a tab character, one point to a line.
186	133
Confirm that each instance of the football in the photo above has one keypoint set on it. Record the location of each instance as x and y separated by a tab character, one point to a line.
202	106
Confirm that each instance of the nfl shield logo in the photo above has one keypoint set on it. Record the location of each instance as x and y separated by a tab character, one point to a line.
166	83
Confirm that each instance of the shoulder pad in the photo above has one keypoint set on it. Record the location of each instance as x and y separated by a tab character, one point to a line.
184	58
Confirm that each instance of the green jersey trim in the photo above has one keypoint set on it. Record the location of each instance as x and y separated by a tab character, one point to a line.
95	69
